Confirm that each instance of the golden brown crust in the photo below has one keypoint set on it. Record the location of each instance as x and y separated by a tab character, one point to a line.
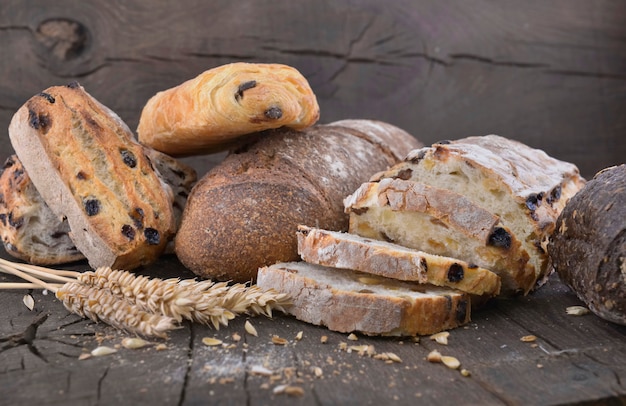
207	113
84	162
340	300
349	251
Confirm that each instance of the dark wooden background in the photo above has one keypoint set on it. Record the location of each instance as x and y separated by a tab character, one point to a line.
549	73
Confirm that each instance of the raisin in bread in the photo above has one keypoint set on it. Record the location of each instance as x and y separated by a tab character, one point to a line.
523	186
348	301
440	222
30	230
88	168
350	251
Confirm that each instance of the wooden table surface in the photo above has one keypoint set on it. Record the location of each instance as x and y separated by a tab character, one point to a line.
550	74
574	359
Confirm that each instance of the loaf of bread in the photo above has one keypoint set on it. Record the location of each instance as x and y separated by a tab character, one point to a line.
523	186
30	230
588	246
440	222
207	113
348	301
88	168
244	213
350	251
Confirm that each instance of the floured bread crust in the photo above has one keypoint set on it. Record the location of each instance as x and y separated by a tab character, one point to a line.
523	186
349	301
350	251
207	113
84	162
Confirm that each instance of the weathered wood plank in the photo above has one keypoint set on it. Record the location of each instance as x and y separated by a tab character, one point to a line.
549	75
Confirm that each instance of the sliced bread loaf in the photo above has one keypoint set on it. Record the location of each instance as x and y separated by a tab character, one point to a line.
440	222
350	251
523	186
349	301
88	168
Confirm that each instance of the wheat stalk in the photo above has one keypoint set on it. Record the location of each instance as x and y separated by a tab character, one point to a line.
147	306
100	305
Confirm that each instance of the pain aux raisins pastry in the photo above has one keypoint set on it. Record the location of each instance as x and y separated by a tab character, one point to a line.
89	170
211	111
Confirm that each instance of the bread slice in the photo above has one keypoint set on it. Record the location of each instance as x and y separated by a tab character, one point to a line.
440	222
30	230
350	251
349	301
523	186
88	168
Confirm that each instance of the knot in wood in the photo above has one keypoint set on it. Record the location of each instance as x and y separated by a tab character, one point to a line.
65	39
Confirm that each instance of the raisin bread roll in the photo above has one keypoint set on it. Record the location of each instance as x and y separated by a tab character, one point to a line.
350	251
524	187
207	113
588	247
348	301
440	222
86	165
244	213
30	230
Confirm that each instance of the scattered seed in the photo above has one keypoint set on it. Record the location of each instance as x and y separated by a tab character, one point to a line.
528	339
393	357
324	339
161	347
353	337
84	355
434	356
103	350
450	362
261	370
288	390
250	329
299	335
441	338
29	301
577	310
236	337
317	371
279	340
134	343
210	341
465	372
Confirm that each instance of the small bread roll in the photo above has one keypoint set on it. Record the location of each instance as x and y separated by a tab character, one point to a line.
207	113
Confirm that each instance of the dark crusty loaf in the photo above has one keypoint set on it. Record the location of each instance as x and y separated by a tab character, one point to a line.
244	213
441	222
344	300
86	165
523	186
350	251
30	230
588	246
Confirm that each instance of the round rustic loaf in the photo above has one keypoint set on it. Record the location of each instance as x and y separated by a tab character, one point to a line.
588	247
244	213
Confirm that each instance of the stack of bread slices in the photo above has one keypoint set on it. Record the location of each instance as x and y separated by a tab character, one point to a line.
453	224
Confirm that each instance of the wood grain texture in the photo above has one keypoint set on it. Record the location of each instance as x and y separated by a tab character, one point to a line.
549	74
575	360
